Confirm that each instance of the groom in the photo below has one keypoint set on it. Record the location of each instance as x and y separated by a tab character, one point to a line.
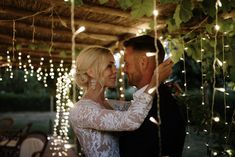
144	142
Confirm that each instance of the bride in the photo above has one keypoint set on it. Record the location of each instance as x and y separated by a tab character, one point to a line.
96	120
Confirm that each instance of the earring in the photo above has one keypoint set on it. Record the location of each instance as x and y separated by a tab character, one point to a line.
93	83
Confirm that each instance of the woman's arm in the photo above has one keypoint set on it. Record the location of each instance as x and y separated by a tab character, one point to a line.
90	117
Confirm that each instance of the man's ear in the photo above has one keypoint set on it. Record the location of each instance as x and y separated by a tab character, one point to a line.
143	61
91	72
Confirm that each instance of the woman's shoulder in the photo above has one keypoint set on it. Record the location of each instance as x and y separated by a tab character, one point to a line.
86	103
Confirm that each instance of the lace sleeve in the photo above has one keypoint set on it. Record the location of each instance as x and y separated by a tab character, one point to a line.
119	105
87	116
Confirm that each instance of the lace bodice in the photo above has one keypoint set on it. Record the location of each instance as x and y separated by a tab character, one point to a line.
95	126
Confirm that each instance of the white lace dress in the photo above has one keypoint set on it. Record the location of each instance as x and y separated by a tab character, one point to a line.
94	125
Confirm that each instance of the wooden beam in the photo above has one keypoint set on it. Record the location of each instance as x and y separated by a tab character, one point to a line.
47	32
229	15
24	41
103	26
110	11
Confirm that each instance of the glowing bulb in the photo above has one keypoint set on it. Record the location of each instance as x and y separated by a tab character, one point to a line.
217	27
218	3
229	151
216	119
79	30
150	91
122	52
219	62
150	54
220	89
215	153
155	12
153	120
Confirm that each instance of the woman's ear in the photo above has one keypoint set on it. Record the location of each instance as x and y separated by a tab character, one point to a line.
91	73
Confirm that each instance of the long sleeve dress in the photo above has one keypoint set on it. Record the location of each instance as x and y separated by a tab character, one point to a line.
95	126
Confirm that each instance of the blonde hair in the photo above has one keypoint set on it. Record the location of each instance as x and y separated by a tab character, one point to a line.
94	57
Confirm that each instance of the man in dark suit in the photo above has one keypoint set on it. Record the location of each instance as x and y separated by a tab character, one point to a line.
144	142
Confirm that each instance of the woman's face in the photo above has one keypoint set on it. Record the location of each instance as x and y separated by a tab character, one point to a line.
110	73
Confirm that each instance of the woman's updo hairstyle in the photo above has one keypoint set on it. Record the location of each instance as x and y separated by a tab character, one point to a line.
94	57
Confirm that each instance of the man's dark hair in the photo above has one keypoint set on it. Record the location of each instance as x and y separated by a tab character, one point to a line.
146	43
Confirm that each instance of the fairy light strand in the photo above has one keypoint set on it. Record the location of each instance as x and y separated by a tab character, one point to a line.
52	32
60	132
13	40
158	120
121	80
73	46
202	71
33	27
186	90
224	82
214	65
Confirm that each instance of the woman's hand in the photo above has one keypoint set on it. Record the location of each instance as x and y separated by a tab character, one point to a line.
164	70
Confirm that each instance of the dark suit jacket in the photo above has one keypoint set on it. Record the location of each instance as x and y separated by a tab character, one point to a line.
143	142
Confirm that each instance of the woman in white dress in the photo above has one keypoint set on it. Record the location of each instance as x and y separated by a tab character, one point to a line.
95	119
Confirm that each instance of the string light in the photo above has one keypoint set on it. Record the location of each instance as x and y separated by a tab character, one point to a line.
19	58
9	62
51	73
214	63
184	72
61	125
122	83
52	32
155	13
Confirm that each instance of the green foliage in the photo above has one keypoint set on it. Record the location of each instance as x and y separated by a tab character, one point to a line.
183	12
176	49
62	54
177	16
186	10
78	2
208	7
169	1
125	4
141	9
103	1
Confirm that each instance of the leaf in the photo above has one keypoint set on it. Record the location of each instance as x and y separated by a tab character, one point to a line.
18	47
32	46
171	25
62	54
176	49
208	7
103	1
63	23
227	25
169	1
78	2
209	28
141	9
177	16
151	24
148	7
125	4
186	10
